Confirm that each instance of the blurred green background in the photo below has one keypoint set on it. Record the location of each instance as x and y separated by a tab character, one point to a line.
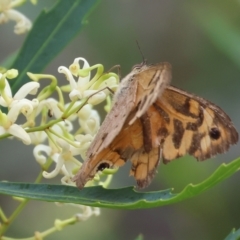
201	39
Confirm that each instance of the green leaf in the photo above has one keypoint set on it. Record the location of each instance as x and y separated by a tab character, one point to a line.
234	235
124	198
51	32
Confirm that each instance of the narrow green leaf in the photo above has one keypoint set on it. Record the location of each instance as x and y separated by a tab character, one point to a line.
234	235
51	32
124	198
97	196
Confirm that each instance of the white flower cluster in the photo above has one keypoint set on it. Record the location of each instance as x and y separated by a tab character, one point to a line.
16	104
59	130
23	24
66	129
65	140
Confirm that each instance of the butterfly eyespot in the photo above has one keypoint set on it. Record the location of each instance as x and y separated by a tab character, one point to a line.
215	133
102	166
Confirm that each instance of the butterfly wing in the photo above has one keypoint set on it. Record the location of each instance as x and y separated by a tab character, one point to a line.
129	144
139	89
151	84
193	126
177	124
111	146
115	119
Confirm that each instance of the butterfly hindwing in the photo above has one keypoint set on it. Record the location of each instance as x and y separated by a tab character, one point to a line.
144	166
194	126
177	124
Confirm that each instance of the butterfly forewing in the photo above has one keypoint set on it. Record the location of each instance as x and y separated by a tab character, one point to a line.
152	81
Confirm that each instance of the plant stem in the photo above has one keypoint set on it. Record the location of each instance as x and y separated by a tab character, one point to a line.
13	216
2	215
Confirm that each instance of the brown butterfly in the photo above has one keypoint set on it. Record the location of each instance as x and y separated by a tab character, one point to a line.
151	120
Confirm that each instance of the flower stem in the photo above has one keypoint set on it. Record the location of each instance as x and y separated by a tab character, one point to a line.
2	215
6	224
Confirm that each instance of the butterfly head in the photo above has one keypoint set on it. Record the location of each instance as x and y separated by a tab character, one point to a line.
140	65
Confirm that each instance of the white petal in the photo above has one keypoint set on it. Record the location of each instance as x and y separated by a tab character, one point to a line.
63	144
37	137
37	152
83	80
84	138
8	89
69	76
85	112
75	95
8	92
52	105
2	102
96	211
65	172
2	130
23	24
111	82
85	62
96	98
28	88
20	133
91	125
88	93
3	18
67	180
63	126
35	103
17	106
57	169
5	5
55	156
75	150
68	125
87	212
69	166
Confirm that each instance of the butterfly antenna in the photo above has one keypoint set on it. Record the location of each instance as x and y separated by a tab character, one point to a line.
143	58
